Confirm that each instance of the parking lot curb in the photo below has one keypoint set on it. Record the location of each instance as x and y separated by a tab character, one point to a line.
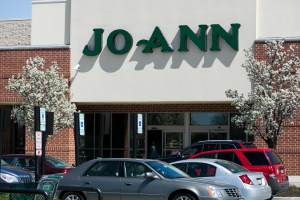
287	198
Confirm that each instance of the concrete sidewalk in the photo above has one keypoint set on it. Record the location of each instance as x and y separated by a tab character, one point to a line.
286	198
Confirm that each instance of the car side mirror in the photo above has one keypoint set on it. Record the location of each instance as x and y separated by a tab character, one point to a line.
178	154
151	175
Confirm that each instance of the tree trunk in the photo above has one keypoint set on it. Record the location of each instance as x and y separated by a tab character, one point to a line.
270	142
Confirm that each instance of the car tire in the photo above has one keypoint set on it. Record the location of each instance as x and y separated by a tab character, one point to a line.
72	196
183	196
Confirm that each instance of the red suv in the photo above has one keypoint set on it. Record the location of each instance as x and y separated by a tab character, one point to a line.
255	159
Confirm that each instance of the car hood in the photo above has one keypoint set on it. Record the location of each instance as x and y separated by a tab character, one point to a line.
14	170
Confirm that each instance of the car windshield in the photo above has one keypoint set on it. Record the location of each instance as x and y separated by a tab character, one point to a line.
167	170
231	166
57	163
3	163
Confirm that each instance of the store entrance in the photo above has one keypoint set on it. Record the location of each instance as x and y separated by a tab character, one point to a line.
162	143
154	146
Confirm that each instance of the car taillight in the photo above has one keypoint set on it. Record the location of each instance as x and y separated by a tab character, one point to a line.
245	179
271	170
65	171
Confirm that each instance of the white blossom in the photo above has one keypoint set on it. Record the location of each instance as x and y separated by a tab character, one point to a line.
43	88
276	92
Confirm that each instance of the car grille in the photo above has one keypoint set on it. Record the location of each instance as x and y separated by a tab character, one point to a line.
233	192
26	179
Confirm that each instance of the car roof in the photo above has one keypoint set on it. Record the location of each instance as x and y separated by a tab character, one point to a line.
234	150
126	159
206	160
221	141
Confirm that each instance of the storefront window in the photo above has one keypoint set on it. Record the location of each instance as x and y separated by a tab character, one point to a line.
209	119
90	145
238	133
165	119
19	145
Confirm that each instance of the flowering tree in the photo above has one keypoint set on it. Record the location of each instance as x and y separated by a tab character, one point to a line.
43	88
276	92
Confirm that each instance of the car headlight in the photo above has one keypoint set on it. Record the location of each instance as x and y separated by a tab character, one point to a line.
8	178
214	192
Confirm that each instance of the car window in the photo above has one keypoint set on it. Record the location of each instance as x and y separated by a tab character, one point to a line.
227	146
4	163
8	160
57	163
256	158
21	162
208	147
249	145
180	166
201	170
135	170
191	151
230	156
25	162
231	166
167	170
104	168
31	162
275	159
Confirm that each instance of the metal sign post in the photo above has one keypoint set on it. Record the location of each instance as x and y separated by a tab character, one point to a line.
40	140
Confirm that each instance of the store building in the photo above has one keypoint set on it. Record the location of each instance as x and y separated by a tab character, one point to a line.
137	61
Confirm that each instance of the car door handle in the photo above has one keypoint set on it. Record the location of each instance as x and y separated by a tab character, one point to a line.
128	184
87	182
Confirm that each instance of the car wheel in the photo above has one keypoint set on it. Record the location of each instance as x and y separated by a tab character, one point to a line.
72	196
183	196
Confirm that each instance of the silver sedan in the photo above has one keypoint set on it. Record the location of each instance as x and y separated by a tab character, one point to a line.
253	185
136	179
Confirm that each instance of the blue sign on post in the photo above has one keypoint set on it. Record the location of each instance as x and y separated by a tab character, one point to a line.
81	124
42	119
140	124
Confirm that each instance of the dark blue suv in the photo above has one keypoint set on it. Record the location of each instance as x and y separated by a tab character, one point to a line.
10	175
206	145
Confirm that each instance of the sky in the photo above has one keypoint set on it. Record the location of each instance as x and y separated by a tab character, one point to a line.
15	9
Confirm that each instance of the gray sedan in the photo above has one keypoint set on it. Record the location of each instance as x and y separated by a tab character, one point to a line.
136	179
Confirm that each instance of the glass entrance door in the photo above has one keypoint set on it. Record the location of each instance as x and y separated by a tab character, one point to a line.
162	143
173	142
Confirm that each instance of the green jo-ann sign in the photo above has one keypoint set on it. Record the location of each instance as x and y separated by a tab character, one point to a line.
157	40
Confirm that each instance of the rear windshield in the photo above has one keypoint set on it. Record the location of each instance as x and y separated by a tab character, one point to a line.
256	158
275	159
57	163
249	145
234	168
